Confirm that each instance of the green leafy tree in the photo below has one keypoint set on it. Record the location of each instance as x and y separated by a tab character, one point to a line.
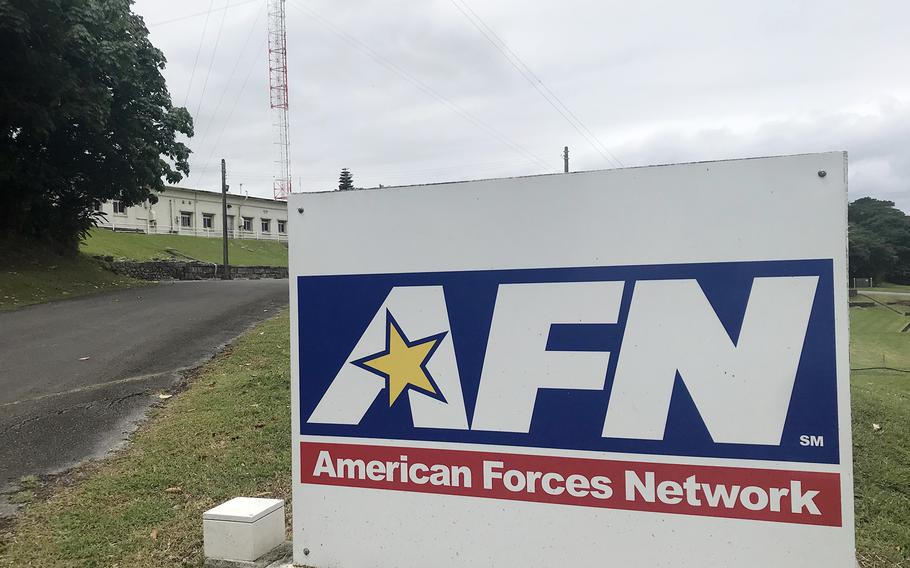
345	180
879	240
85	116
870	255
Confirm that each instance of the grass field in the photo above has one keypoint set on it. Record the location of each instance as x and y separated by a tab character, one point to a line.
33	274
143	507
881	461
137	246
877	340
887	286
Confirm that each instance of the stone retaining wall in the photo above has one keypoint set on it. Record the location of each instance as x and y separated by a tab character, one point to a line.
178	270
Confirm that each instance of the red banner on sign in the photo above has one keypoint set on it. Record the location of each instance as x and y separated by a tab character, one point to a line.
811	498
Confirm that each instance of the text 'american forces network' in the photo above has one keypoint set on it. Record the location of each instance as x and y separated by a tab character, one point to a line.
746	493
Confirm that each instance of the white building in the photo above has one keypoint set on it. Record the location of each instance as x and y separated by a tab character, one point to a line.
196	212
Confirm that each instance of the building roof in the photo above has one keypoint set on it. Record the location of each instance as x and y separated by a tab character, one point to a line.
218	193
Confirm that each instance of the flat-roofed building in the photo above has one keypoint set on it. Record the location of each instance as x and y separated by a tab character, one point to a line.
183	211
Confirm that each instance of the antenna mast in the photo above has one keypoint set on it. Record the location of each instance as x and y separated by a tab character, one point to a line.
278	94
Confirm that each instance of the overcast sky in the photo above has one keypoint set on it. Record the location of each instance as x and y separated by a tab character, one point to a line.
410	91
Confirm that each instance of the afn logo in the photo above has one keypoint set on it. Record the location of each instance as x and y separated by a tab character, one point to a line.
707	359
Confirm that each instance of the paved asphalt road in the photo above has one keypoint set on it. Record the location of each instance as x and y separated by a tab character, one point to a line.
77	375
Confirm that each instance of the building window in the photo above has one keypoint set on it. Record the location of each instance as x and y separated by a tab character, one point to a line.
186	219
266	225
247	223
282	226
208	221
119	207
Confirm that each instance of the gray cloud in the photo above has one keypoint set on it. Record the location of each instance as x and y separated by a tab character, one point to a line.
876	140
657	82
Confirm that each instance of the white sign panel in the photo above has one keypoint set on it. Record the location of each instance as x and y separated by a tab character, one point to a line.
637	367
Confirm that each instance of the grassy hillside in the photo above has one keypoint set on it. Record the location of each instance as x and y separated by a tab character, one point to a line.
881	461
33	274
135	246
887	286
877	340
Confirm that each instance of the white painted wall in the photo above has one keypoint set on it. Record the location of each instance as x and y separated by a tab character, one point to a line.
165	215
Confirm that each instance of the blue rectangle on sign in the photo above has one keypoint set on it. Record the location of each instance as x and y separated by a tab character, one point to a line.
401	357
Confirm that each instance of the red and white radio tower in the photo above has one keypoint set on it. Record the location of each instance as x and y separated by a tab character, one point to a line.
278	93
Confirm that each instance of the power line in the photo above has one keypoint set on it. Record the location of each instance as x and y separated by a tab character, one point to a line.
383	168
537	83
534	80
383	173
212	61
253	60
390	170
197	14
224	91
205	26
357	44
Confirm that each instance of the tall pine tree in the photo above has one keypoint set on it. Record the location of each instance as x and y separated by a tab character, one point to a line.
345	180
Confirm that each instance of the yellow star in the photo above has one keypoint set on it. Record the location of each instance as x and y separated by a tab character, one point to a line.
403	363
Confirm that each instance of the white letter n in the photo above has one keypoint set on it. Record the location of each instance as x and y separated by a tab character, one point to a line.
742	390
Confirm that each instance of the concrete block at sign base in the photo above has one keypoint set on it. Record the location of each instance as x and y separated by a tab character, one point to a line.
243	529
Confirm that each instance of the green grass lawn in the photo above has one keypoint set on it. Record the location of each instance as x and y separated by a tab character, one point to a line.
876	339
898	302
137	246
887	286
881	466
881	460
33	274
229	435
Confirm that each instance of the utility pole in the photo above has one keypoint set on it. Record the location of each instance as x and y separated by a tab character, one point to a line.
226	274
565	159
